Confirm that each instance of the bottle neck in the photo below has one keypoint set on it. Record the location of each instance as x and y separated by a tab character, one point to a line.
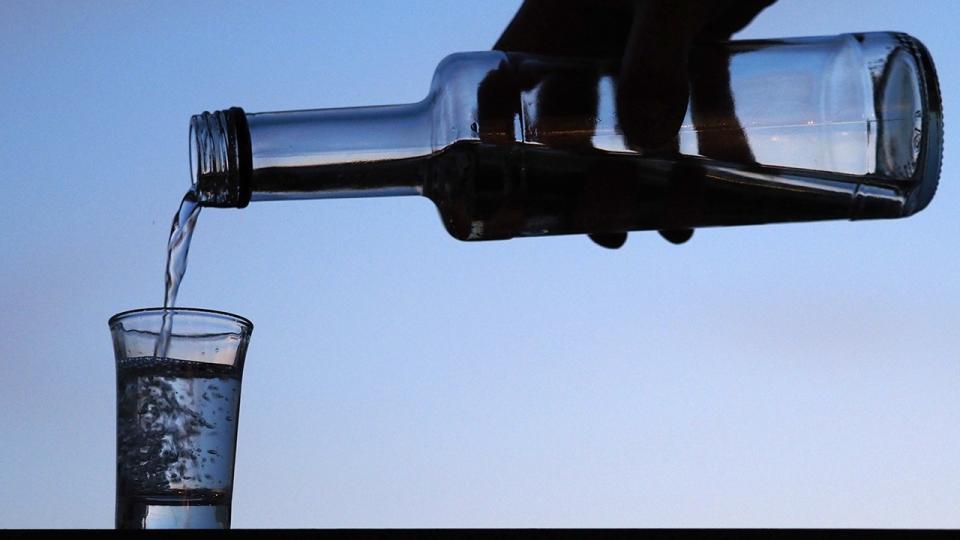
310	154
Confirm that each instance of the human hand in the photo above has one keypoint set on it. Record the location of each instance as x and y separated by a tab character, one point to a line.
654	40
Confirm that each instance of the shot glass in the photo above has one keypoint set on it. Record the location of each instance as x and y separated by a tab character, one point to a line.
178	400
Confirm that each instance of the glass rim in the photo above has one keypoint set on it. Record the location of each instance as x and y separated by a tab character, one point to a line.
123	315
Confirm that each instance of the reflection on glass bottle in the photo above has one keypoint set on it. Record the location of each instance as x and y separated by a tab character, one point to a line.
840	127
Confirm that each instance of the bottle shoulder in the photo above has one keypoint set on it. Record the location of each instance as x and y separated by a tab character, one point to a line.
471	93
467	68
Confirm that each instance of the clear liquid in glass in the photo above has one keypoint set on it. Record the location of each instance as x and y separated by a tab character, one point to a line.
176	439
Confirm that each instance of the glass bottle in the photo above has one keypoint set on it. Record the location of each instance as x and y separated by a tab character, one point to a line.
505	144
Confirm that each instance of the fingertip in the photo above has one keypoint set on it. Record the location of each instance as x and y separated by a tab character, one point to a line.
650	117
677	236
609	240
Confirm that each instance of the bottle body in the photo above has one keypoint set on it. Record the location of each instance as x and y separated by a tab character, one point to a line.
842	127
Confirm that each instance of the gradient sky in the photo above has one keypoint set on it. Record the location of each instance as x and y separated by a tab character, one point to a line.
802	375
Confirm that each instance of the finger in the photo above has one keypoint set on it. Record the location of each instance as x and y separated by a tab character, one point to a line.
678	236
653	88
497	106
576	28
609	240
720	134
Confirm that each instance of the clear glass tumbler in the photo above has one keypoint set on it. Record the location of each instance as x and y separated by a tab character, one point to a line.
177	415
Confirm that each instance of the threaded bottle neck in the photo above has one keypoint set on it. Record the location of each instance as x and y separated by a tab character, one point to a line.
220	158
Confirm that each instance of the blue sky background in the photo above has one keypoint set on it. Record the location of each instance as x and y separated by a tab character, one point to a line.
800	375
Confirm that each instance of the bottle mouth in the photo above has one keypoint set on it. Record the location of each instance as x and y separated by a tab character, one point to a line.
220	158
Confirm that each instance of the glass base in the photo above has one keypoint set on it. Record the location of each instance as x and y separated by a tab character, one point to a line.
158	513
